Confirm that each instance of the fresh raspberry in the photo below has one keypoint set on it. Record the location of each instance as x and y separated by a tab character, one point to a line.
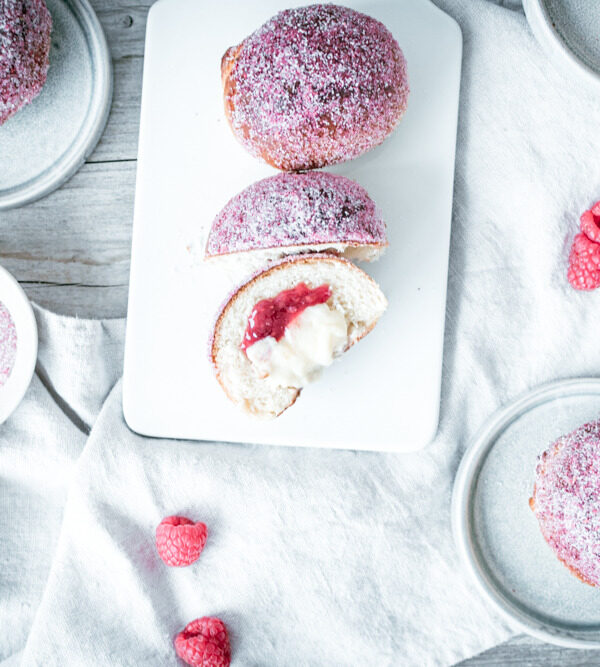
180	541
587	250
590	225
584	264
596	209
204	643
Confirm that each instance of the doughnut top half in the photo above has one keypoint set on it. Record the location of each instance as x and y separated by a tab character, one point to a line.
297	209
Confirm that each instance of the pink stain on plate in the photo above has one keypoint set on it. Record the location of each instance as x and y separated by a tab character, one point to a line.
8	344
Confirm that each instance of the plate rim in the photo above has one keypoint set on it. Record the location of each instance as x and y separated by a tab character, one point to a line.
26	359
466	477
549	38
70	161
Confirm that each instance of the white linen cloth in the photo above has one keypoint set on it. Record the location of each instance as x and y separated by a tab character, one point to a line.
314	557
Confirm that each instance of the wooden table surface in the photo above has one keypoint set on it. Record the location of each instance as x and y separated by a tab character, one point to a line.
70	250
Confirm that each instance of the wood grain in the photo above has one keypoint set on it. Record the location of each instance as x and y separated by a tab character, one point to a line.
57	249
71	250
525	651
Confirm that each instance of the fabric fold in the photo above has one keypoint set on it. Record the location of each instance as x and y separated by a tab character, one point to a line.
313	557
78	363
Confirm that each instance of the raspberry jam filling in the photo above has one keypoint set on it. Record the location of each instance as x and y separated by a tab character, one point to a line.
270	317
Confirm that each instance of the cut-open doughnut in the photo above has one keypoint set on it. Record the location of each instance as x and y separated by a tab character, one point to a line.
326	304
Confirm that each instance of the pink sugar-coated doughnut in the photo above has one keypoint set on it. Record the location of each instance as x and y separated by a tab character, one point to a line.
566	500
25	27
314	86
294	210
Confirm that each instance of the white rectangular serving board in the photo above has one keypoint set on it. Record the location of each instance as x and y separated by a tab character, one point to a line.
384	393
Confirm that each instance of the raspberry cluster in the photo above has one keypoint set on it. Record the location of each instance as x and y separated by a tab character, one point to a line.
584	260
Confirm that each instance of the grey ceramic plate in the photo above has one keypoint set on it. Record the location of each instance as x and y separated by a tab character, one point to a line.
569	31
46	142
497	534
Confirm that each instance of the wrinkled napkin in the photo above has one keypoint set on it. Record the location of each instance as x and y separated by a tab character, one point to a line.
314	557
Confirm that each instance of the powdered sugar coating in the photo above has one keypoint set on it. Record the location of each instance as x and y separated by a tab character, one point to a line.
566	500
315	86
8	344
25	27
297	209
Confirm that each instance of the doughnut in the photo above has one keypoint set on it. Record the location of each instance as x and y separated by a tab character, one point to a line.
25	27
299	212
314	86
327	302
566	500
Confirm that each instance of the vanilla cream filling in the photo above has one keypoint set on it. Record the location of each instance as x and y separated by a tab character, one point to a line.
310	343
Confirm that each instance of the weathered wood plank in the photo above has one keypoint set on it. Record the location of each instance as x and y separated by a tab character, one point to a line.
525	651
124	25
120	138
78	236
90	302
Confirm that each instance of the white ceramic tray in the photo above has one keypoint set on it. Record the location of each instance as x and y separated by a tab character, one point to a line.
498	535
47	141
384	394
